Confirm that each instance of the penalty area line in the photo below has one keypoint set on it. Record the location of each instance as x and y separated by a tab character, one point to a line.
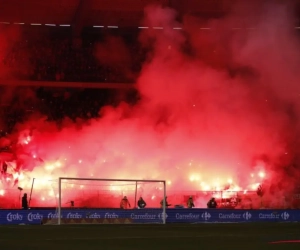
119	238
284	241
129	238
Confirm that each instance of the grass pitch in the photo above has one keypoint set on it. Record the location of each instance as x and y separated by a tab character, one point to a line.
146	237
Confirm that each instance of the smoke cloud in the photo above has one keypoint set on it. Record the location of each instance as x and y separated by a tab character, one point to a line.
218	110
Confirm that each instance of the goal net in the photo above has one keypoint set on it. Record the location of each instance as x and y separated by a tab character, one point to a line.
109	201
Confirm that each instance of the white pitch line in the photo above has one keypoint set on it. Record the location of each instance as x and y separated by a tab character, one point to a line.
118	238
132	237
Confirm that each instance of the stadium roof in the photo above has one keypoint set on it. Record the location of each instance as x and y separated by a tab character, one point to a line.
93	12
104	12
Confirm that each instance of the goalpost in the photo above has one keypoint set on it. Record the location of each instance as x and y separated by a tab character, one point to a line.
91	195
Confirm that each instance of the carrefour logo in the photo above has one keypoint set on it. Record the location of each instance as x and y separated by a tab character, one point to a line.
285	216
161	215
247	216
206	216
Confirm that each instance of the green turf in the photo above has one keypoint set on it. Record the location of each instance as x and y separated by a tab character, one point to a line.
146	237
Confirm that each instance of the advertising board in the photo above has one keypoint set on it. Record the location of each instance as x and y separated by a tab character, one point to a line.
151	215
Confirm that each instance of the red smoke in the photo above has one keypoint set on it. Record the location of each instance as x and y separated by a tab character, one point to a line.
218	111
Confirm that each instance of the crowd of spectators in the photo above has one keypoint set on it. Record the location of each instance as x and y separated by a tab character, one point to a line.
53	57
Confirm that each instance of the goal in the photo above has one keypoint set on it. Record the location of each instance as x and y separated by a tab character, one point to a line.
109	201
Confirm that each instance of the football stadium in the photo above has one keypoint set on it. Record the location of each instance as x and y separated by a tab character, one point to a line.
149	124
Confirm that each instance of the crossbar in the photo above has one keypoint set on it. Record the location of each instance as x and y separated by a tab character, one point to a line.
96	179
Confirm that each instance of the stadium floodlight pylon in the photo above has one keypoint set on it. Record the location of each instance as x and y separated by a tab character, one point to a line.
134	182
